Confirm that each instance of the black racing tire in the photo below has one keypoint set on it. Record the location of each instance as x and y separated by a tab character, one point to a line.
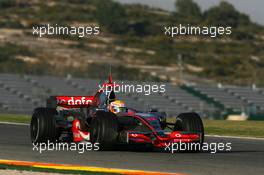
43	126
104	130
190	122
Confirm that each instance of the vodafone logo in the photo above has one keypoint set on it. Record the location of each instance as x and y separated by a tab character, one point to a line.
178	135
74	100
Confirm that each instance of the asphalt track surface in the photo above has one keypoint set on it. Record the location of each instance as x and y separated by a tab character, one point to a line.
246	156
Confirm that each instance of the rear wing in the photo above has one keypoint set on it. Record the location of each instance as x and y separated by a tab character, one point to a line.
69	101
81	101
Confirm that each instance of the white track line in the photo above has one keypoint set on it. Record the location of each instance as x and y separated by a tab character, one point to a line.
14	123
235	137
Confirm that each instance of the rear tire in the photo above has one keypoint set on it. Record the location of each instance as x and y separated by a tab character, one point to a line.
43	126
104	130
190	122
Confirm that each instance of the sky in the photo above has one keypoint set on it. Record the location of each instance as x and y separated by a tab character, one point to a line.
254	8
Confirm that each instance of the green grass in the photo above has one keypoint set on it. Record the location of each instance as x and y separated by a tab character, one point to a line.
213	127
15	118
49	170
233	128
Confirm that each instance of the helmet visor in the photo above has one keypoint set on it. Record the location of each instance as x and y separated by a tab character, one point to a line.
119	109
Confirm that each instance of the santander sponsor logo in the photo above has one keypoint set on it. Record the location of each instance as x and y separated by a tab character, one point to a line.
74	100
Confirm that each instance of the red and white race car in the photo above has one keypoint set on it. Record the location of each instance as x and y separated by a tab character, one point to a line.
104	119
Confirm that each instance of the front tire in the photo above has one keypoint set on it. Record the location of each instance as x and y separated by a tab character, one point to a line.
191	122
104	130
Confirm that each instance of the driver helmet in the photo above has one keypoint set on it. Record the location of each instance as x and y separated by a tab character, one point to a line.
117	106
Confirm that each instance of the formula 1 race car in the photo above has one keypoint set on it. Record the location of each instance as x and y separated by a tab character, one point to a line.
105	120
